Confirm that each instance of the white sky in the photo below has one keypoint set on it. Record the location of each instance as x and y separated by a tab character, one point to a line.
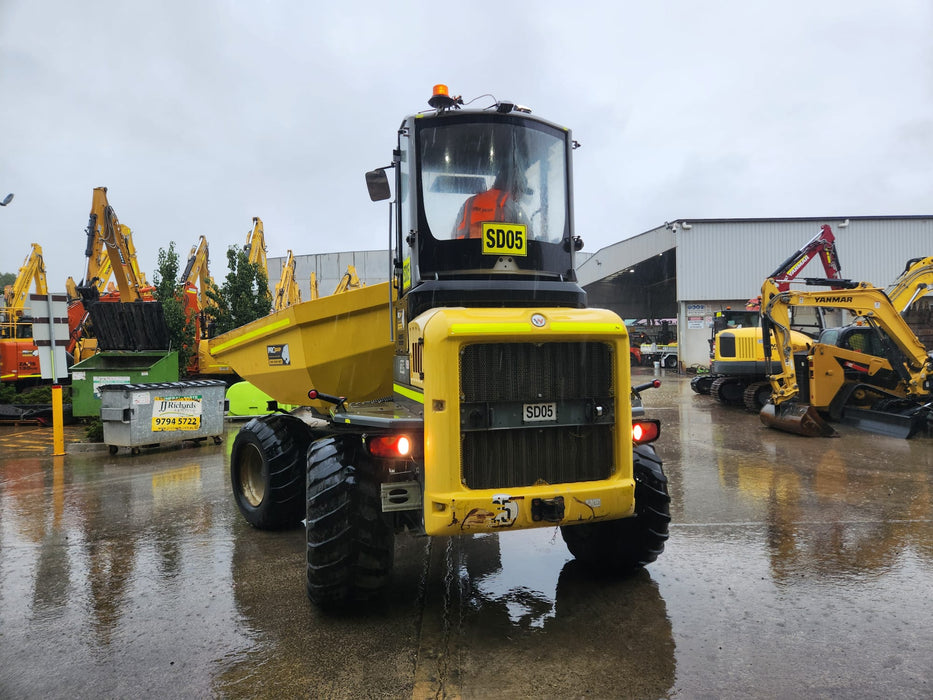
199	115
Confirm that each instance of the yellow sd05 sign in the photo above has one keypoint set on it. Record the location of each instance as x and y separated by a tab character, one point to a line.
505	239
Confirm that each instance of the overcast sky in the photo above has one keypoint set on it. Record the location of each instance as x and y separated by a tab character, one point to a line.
198	116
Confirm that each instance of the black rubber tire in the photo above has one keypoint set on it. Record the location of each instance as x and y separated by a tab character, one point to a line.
351	542
670	362
620	546
728	390
113	449
756	395
267	471
701	384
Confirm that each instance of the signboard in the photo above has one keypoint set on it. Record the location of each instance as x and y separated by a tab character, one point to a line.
50	333
97	382
176	413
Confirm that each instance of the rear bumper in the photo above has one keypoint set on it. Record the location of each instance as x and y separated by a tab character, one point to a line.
523	508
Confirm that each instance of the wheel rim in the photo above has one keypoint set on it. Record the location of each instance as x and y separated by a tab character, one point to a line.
252	484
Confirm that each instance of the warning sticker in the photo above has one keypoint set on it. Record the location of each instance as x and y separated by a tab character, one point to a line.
278	355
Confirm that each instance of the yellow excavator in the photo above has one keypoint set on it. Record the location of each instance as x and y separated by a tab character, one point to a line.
196	280
127	316
874	374
110	250
286	290
256	245
350	280
738	369
915	282
473	393
19	356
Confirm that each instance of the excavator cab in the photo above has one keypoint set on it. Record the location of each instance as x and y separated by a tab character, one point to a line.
482	201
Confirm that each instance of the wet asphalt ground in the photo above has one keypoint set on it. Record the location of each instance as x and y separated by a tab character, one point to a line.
797	567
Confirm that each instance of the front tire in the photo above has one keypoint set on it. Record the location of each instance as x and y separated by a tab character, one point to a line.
351	543
620	546
267	471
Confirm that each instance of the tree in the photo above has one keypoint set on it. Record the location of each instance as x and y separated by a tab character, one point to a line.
244	295
181	326
7	278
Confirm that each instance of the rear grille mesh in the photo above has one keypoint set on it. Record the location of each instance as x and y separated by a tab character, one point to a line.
529	372
526	456
535	372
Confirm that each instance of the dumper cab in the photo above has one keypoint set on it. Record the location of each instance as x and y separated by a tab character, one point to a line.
483	205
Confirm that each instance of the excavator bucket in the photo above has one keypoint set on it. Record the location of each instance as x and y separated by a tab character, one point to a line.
800	419
900	425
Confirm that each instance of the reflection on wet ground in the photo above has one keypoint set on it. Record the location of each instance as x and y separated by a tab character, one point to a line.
795	567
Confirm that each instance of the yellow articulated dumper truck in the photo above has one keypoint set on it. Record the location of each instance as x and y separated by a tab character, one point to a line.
473	393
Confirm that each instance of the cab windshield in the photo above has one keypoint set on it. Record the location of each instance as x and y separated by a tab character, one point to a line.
494	171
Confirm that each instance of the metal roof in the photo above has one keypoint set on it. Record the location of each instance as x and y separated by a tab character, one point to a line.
729	258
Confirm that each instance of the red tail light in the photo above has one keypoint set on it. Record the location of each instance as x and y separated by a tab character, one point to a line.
390	446
645	431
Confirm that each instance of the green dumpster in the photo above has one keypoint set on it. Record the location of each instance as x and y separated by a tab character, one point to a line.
117	367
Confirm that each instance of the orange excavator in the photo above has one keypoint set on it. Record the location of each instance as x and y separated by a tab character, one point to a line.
19	356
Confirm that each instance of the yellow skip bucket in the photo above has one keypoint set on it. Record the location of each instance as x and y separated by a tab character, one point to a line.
338	344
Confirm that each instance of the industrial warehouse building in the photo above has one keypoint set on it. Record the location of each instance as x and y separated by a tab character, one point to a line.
687	270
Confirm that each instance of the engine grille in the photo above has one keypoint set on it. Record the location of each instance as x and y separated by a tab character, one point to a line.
529	372
741	347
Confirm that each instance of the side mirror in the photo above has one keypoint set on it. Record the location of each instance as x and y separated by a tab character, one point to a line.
378	185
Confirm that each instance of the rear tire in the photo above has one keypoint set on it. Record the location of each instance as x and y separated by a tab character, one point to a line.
267	471
619	546
351	543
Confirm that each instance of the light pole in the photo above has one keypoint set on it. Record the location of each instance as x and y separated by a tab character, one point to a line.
7	200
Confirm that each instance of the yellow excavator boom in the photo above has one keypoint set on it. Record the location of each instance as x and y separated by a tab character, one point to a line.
106	234
256	245
286	291
33	269
915	282
350	280
197	272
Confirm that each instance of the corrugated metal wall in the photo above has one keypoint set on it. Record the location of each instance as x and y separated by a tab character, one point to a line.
372	266
730	259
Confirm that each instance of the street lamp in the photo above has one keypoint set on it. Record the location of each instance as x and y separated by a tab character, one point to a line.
7	200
